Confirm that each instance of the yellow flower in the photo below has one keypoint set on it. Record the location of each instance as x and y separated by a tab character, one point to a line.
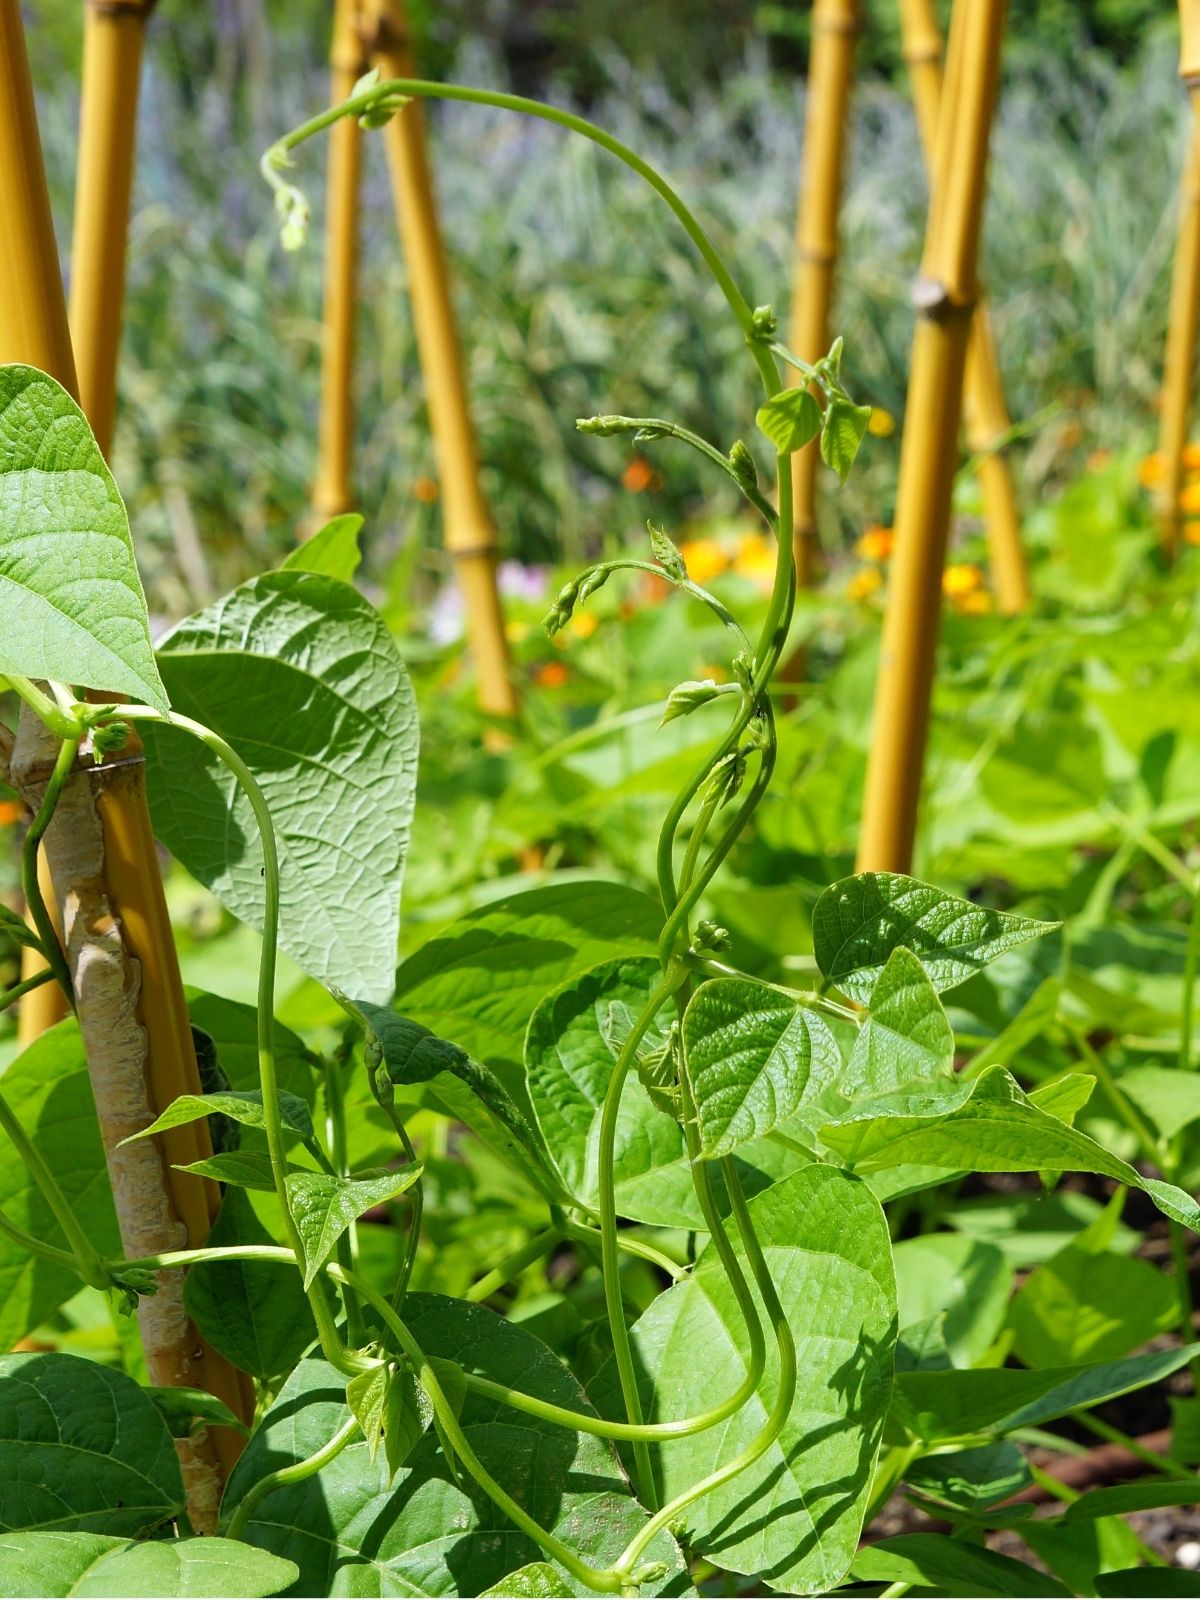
960	580
1191	532
716	673
875	543
584	624
703	558
755	559
516	632
1189	497
976	604
882	423
864	583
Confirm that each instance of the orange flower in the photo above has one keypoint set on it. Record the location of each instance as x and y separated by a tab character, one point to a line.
583	624
1191	457
882	424
864	583
875	543
425	490
1189	497
11	811
639	475
703	558
965	578
1191	532
1151	469
553	675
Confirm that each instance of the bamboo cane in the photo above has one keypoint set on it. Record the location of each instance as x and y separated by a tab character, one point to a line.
331	488
1179	358
945	300
470	533
113	35
100	852
835	26
986	416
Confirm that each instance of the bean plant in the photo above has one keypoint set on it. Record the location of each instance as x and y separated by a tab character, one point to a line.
705	1146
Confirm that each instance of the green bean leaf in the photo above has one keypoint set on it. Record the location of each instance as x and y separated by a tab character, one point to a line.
70	593
88	1566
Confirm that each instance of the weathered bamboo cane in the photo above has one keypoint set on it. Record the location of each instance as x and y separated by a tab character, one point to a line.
835	27
987	422
104	874
331	488
945	300
469	531
1179	358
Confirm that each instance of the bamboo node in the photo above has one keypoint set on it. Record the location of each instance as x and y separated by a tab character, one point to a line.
839	27
936	300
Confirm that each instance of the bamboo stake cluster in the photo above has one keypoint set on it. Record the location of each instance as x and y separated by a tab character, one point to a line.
835	28
378	31
945	296
100	851
986	415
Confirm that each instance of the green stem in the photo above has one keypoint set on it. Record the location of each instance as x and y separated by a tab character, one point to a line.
416	1212
1150	1146
48	934
533	1250
1104	1430
609	1248
417	88
631	1246
85	1258
11	996
296	1473
37	1247
332	1347
1183	1295
606	1579
60	723
784	1399
659	425
1188	999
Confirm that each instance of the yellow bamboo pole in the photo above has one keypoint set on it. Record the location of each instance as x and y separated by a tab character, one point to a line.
986	415
835	27
945	299
103	873
331	488
113	34
1179	359
469	531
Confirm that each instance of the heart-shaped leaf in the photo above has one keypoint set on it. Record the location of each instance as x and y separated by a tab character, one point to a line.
858	922
791	419
333	549
324	1206
300	675
69	588
749	1051
82	1449
85	1566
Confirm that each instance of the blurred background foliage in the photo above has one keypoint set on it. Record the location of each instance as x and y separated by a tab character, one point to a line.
577	292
